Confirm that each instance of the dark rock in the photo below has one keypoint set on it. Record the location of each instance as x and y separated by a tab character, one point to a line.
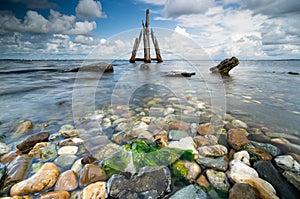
219	163
293	73
225	66
31	140
2	173
191	191
96	67
268	172
150	182
243	191
179	74
16	172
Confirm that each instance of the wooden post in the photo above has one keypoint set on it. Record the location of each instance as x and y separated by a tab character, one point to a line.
135	48
157	51
147	57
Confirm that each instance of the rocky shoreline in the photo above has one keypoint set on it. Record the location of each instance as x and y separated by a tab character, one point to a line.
136	155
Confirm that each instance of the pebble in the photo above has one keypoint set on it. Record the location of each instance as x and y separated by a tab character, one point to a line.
218	179
191	191
218	163
48	175
68	150
65	161
186	143
242	191
243	156
273	150
179	125
193	170
293	178
202	181
288	163
77	166
213	151
260	153
236	139
55	195
67	181
4	148
239	124
177	134
49	152
24	127
96	190
91	173
150	182
29	142
206	129
36	151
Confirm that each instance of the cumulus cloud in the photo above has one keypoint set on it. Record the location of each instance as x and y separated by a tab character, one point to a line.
175	8
41	4
154	2
35	23
88	9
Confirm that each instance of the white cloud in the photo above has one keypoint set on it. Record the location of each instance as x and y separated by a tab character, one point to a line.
84	39
182	31
154	2
88	9
82	28
175	8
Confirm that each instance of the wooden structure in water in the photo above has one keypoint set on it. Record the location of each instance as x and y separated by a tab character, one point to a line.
146	40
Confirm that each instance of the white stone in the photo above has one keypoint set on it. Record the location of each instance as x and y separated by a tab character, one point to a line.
287	162
186	143
239	123
106	122
68	150
238	170
242	156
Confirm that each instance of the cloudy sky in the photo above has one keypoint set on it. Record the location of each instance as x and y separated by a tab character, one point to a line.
62	29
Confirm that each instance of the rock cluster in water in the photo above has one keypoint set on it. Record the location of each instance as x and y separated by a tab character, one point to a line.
140	155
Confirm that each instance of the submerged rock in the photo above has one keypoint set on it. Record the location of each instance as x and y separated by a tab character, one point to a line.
95	190
2	173
31	140
225	66
150	182
48	175
67	181
189	192
24	127
55	194
4	148
91	173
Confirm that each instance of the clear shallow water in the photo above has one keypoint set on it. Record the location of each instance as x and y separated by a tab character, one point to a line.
42	91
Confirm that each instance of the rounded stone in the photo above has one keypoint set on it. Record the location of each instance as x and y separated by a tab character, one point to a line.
31	140
68	150
67	181
95	190
239	123
206	129
218	179
65	161
202	181
213	151
55	195
242	191
44	179
91	173
193	169
243	156
36	151
237	139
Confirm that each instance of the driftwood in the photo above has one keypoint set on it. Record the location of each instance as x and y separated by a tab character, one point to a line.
225	66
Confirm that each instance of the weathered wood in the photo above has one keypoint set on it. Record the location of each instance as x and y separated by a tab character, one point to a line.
135	47
157	51
146	39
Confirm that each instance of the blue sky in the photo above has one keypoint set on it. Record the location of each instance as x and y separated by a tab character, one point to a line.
60	29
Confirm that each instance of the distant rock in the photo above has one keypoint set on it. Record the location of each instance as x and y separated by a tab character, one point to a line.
293	73
179	74
225	66
96	67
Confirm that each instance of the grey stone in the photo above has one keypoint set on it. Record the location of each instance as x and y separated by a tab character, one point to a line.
49	152
177	134
4	148
218	179
219	163
293	178
273	150
189	192
242	191
2	173
268	172
150	182
213	151
65	161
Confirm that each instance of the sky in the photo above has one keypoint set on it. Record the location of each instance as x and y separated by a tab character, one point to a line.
72	29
